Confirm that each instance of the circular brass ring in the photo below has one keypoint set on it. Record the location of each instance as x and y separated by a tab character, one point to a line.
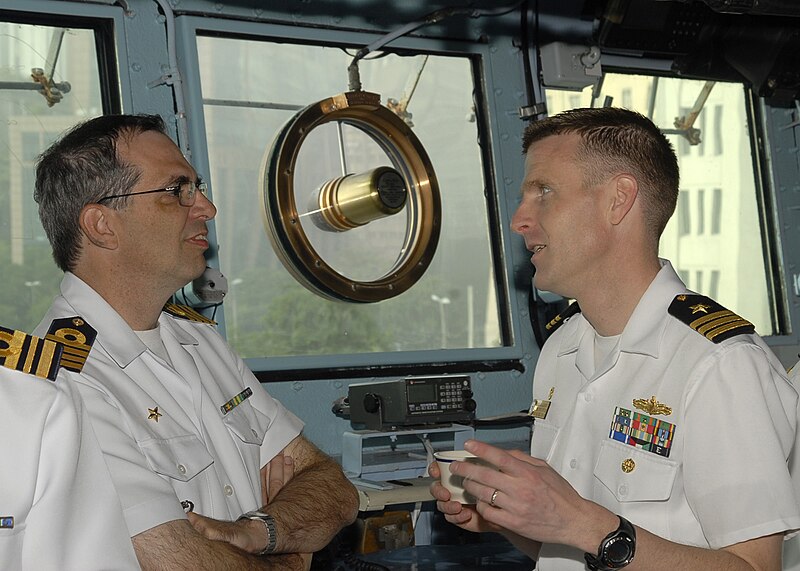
282	220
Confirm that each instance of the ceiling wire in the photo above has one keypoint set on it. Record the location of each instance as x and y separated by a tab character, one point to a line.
432	18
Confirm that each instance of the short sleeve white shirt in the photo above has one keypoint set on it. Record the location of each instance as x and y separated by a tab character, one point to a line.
160	451
733	413
58	508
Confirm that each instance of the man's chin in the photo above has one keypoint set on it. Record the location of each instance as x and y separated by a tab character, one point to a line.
198	274
541	282
189	276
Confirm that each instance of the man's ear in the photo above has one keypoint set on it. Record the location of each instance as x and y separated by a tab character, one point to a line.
97	224
625	191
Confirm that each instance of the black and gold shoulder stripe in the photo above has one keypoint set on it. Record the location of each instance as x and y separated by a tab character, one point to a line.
29	354
709	318
186	312
76	337
562	317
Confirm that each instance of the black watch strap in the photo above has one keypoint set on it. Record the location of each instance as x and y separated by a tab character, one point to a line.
616	550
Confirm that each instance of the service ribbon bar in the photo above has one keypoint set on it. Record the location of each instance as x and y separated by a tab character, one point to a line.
236	401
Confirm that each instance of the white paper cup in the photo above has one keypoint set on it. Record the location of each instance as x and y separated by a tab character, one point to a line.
454	483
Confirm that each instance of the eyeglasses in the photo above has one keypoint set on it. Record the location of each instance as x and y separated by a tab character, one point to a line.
185	192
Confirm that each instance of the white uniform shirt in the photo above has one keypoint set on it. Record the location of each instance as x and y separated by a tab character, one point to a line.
733	415
791	547
161	451
54	483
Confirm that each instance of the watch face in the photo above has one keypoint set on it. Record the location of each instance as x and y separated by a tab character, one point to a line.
618	550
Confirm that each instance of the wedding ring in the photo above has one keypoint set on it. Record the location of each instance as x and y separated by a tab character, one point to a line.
494	497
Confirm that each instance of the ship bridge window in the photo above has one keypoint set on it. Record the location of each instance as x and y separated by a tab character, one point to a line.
50	80
251	89
720	233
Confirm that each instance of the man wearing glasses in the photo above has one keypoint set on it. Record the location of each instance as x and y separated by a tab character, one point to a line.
183	423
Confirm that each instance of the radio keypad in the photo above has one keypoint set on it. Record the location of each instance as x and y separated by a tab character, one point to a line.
451	397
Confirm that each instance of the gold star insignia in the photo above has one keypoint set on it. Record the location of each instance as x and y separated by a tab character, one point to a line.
699	307
153	414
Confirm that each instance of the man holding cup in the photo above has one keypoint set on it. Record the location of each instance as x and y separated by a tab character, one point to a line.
452	481
663	423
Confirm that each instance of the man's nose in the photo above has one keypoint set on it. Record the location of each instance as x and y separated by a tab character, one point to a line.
204	207
521	220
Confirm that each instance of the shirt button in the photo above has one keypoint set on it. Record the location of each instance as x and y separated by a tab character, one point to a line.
587	397
623	490
255	434
573	463
181	468
228	490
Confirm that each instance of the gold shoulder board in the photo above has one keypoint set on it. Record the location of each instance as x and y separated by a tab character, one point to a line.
76	337
562	317
709	318
186	312
29	354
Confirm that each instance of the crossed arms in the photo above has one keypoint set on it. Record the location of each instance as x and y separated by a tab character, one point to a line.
303	489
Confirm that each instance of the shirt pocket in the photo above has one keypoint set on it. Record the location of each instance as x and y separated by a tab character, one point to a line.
179	457
11	548
247	423
543	438
634	475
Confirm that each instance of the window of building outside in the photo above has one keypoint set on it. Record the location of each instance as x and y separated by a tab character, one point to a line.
731	251
250	89
701	211
30	124
684	214
704	134
716	211
627	98
713	287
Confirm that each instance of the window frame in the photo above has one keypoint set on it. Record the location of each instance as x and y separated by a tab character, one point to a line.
108	25
509	357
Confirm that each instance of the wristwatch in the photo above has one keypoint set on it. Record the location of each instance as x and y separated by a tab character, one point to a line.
269	523
616	550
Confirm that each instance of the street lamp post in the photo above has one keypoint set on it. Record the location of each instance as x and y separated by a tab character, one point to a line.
30	286
234	312
442	301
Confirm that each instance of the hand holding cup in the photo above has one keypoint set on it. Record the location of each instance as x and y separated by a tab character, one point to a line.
453	483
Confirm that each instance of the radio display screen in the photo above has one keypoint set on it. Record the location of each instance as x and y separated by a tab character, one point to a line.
422	392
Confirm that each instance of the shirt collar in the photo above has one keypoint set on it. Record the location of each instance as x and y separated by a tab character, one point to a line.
114	334
645	328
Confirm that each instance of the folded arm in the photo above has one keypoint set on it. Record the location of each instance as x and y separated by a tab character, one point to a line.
307	495
176	545
312	506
